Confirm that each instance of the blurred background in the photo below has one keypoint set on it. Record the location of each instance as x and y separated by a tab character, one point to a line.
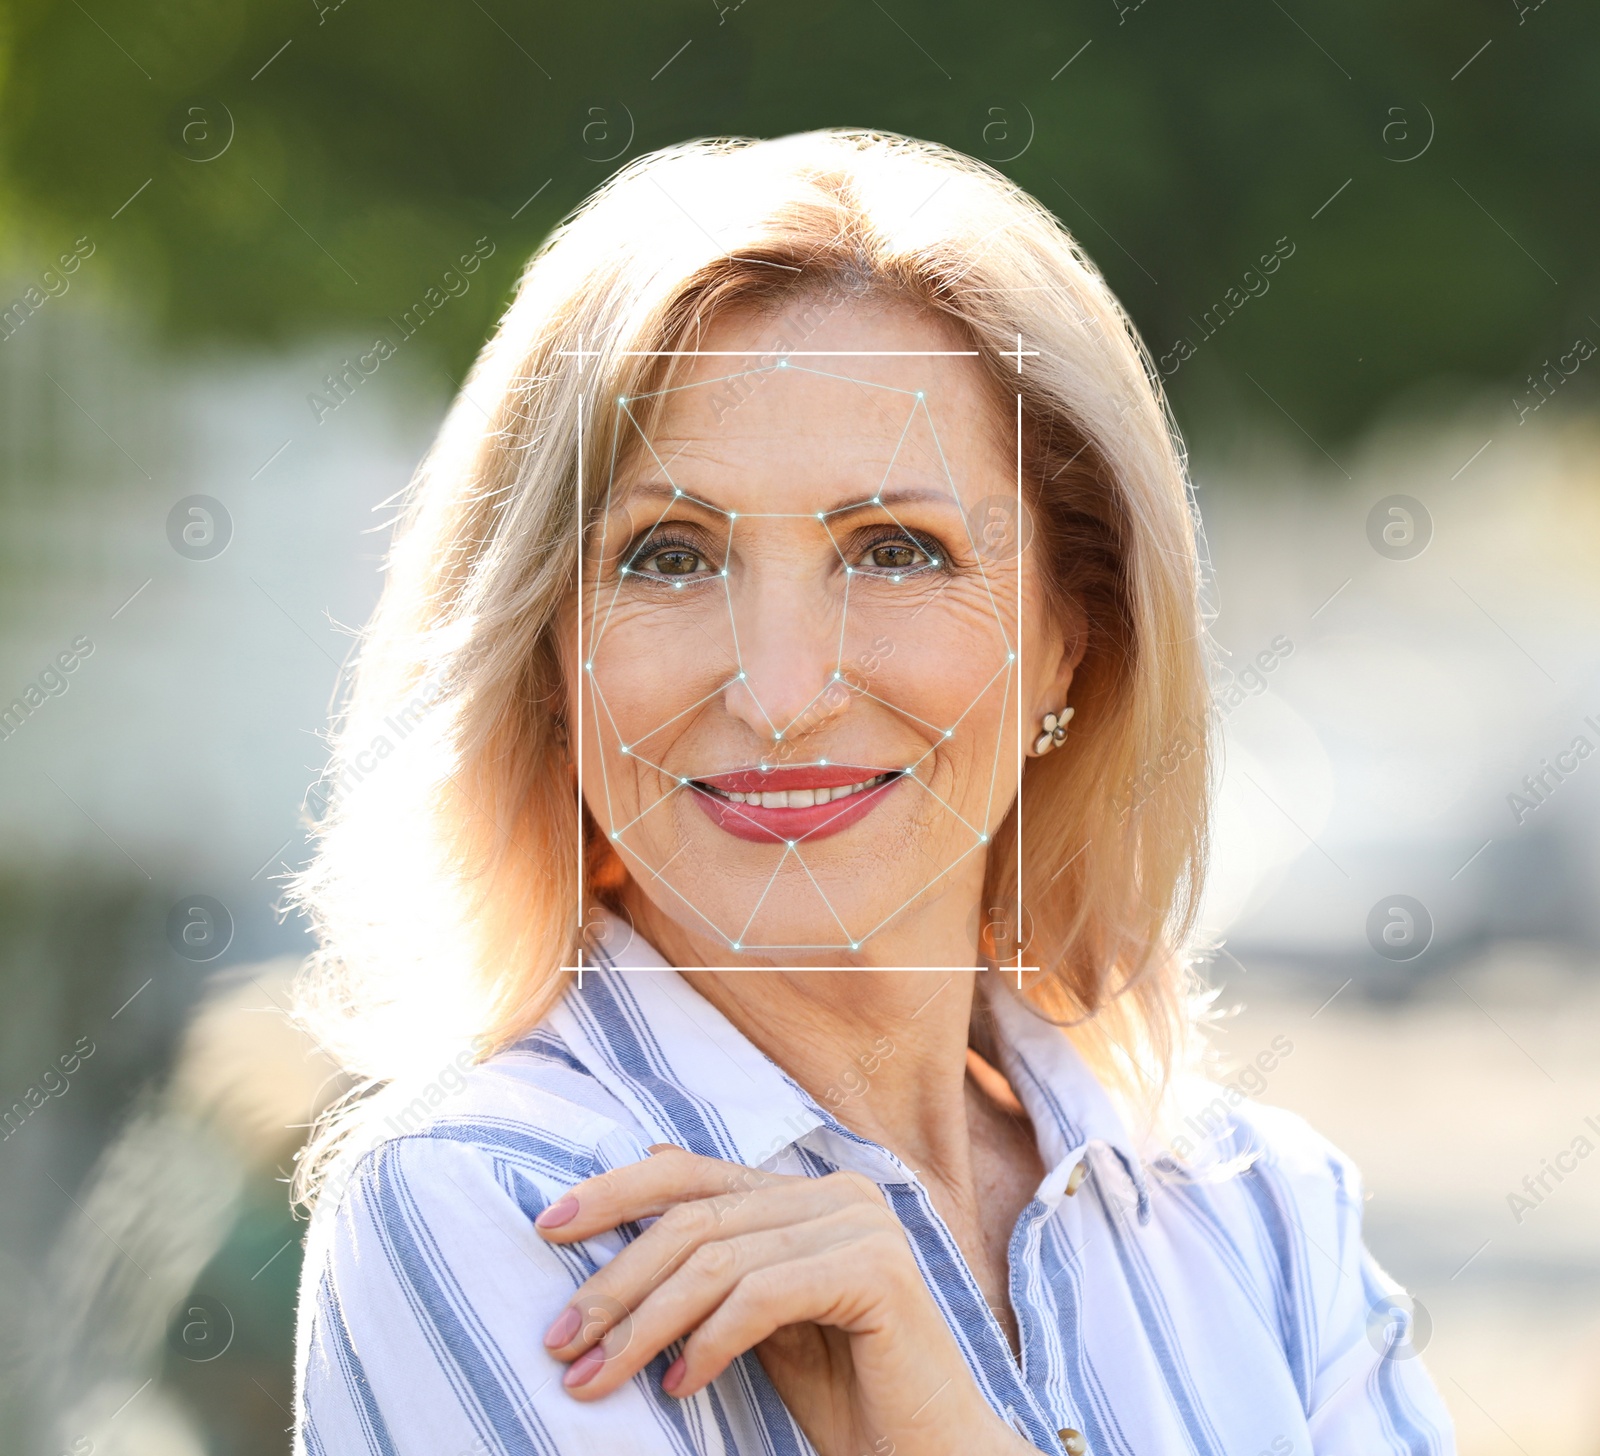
208	211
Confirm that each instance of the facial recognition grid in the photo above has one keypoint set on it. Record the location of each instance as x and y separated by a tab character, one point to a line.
596	607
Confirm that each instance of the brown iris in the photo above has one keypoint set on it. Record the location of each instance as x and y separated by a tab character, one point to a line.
676	562
895	556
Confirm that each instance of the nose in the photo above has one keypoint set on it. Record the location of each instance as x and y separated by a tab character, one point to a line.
788	684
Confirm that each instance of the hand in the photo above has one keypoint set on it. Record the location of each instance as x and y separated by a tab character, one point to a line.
814	1274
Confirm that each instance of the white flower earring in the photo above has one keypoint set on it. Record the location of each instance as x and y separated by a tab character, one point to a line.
1055	731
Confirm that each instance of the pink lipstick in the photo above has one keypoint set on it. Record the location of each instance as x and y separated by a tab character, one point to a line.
793	804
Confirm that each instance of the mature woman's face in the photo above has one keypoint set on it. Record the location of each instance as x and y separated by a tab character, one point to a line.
802	629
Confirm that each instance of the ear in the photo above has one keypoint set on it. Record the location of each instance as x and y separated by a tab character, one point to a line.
1067	644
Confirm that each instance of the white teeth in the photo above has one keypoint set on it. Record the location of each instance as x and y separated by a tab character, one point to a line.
800	798
844	791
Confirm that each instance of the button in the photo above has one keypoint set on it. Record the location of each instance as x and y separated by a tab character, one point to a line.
1073	1440
1075	1182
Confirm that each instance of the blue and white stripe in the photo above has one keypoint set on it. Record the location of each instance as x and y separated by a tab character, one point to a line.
1161	1310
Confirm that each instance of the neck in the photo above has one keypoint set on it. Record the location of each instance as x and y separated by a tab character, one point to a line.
883	1048
884	1051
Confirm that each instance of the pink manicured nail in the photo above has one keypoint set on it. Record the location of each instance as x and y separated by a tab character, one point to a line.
674	1376
563	1210
562	1331
584	1368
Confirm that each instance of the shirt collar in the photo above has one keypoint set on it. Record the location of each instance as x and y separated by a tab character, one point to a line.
675	1061
692	1078
1069	1107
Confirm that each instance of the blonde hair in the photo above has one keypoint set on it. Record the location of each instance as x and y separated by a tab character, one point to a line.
445	889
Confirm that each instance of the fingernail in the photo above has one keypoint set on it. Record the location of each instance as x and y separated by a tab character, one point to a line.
584	1368
563	1210
562	1331
674	1376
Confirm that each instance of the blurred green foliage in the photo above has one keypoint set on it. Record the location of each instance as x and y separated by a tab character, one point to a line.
369	144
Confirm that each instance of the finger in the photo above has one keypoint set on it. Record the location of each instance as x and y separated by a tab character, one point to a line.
642	1190
685	1300
847	1289
605	1298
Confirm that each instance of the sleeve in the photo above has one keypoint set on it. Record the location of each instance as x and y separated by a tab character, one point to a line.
424	1309
1371	1392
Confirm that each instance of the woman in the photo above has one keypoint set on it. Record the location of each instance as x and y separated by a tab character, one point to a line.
780	756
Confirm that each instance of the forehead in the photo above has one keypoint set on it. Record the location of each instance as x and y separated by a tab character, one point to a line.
809	406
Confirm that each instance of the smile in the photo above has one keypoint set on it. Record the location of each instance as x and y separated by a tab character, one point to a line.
792	804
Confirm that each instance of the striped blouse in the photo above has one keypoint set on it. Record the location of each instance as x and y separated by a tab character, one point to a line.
1160	1310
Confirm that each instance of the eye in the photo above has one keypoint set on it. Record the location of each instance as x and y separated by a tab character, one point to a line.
673	559
897	555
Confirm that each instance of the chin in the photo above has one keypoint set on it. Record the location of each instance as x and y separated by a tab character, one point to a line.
812	897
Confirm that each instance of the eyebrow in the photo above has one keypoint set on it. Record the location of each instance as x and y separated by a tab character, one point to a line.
906	495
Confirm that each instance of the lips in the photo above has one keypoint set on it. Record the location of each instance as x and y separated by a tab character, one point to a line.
790	804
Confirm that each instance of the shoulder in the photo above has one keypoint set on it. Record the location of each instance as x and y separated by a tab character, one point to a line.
1218	1131
1275	1138
532	1118
441	1182
1271	1207
1287	1205
1314	1184
425	1283
426	1288
1290	1199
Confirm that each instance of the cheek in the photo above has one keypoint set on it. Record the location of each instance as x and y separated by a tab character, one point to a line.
651	661
943	659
